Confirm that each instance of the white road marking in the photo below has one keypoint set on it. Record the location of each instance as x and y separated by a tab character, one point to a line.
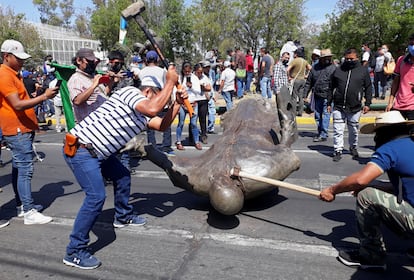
226	238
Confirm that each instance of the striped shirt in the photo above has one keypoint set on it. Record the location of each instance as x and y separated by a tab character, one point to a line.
114	123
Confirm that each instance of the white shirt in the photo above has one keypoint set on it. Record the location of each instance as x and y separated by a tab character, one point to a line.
205	81
228	76
194	93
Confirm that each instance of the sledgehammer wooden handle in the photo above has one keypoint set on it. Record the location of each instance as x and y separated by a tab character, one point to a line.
274	182
187	103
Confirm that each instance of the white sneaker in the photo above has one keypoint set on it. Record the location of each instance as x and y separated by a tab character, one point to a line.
33	217
20	211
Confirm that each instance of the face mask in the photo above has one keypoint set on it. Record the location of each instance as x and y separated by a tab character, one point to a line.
285	62
140	65
327	61
350	64
116	67
411	49
90	68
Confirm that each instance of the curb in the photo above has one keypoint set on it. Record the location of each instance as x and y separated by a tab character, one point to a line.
299	120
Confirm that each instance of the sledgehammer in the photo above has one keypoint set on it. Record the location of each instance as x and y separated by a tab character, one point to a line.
238	173
134	11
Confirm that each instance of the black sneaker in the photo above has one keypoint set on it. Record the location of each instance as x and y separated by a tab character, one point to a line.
134	220
337	156
353	259
4	223
354	153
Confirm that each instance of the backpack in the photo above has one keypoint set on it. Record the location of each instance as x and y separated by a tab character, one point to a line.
372	60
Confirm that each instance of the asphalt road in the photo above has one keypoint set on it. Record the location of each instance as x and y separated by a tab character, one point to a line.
282	235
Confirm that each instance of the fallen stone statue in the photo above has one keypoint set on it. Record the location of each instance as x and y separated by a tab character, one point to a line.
256	139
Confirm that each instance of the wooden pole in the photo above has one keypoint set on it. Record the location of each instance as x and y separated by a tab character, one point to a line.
275	182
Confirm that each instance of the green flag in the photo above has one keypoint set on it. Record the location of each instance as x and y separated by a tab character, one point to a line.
63	72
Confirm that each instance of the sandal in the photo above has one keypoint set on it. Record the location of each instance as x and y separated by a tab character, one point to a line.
198	146
179	146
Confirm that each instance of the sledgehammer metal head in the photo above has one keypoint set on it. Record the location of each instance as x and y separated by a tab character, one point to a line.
133	10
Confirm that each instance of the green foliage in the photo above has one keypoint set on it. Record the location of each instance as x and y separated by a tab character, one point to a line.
375	22
213	24
105	22
175	29
13	26
246	23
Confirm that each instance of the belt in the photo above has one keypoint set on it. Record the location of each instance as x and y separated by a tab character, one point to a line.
90	149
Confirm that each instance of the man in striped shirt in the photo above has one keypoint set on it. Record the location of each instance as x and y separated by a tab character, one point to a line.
100	135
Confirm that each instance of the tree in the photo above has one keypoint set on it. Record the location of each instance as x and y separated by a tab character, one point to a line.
47	10
175	29
61	13
82	24
247	23
14	26
374	22
67	12
213	24
105	24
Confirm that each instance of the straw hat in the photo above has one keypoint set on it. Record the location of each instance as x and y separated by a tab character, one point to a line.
385	119
325	53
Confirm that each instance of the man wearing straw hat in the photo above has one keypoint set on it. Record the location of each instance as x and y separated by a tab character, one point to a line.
392	206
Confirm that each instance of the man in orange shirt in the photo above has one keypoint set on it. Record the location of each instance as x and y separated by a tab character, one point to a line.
18	123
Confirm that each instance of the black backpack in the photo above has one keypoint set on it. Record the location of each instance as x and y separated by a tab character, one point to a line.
372	60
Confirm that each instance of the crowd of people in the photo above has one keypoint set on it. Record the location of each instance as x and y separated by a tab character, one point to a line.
143	97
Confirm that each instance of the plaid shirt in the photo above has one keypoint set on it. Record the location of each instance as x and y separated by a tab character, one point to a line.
280	76
77	84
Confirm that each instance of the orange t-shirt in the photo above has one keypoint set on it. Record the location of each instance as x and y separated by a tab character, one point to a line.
11	120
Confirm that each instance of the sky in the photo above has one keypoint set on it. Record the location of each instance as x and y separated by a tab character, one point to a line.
315	10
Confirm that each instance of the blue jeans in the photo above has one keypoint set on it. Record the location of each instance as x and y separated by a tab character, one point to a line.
322	116
211	115
193	124
265	87
240	87
22	167
228	97
89	172
166	136
125	159
249	78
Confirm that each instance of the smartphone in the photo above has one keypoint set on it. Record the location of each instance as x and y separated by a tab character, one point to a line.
188	79
59	82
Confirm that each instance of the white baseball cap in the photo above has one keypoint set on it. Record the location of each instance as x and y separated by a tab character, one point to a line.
316	52
16	48
227	63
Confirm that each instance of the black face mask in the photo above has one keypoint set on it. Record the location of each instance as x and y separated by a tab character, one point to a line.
350	64
116	67
90	68
327	61
285	62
